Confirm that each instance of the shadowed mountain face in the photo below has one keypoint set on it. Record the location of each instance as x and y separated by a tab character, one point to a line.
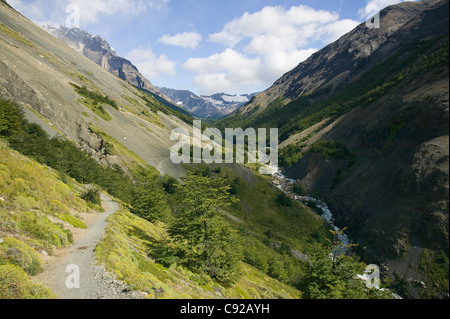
364	126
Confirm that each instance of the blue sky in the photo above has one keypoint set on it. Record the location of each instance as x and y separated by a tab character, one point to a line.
210	46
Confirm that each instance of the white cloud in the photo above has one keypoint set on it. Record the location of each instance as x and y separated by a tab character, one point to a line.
91	11
40	11
151	65
264	45
228	71
274	21
189	40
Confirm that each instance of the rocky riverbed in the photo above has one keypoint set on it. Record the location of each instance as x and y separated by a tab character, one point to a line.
287	186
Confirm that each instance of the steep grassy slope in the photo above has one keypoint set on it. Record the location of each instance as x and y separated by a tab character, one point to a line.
38	214
126	249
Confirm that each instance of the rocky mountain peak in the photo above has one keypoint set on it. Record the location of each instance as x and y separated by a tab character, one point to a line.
98	50
80	39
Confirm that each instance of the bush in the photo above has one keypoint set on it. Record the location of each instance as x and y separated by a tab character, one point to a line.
330	149
169	184
95	97
283	200
10	118
92	195
15	284
13	251
41	228
298	189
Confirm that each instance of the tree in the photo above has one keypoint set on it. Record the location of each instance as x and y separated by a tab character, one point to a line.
149	201
331	273
203	239
169	183
11	118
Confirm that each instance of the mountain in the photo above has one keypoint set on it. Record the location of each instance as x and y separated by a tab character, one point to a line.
60	89
210	107
97	49
348	57
364	126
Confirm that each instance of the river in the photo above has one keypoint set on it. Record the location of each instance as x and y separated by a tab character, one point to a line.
286	185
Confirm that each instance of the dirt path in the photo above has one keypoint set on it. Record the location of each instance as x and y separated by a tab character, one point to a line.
61	271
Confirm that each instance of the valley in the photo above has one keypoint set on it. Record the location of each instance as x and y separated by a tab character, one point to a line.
86	176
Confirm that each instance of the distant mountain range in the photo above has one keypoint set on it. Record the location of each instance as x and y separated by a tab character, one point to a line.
98	50
212	107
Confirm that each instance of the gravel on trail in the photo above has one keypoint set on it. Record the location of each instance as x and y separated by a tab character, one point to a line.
75	275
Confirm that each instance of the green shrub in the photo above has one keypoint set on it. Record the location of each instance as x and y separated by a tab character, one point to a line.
92	195
13	251
283	200
169	184
95	97
75	222
330	149
298	189
38	226
15	284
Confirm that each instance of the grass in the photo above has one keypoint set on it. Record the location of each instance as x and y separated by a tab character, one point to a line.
97	109
14	35
271	229
435	266
126	248
36	203
114	147
93	100
15	252
37	211
15	284
393	131
259	208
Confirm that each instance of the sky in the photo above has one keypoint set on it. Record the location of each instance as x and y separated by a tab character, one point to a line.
209	46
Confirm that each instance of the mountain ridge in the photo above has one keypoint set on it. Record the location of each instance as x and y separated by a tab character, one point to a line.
326	67
364	126
40	73
214	106
98	50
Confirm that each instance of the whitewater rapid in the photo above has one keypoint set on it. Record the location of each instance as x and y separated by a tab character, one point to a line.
325	210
